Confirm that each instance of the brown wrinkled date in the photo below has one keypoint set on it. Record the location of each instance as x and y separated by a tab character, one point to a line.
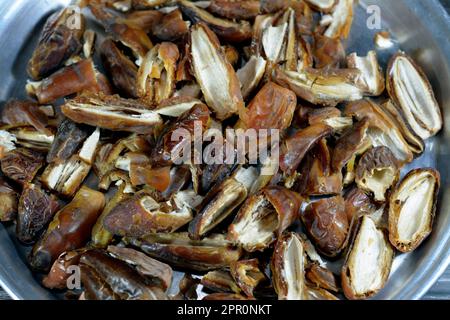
125	160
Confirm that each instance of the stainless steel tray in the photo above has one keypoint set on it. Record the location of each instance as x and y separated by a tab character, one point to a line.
421	28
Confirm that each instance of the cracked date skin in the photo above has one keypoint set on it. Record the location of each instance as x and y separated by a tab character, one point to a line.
22	165
227	30
166	146
327	224
69	138
69	80
171	27
57	43
36	209
25	113
317	178
59	272
272	108
121	70
294	148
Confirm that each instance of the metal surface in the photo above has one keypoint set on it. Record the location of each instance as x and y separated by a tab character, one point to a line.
421	29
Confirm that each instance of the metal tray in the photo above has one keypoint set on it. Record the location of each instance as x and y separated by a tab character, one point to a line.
421	28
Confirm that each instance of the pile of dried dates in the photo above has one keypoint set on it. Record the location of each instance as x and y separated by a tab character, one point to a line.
89	181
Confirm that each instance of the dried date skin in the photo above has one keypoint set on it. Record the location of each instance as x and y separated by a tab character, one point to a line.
108	155
101	237
347	145
72	79
187	288
180	251
60	39
220	281
296	55
327	224
66	177
383	130
69	229
412	207
244	9
177	105
247	275
36	209
121	30
213	174
229	196
216	77
272	108
145	19
272	6
294	148
158	178
22	165
225	29
167	147
141	215
158	272
171	27
122	71
287	204
124	281
416	144
317	177
328	52
224	296
69	138
321	115
8	201
321	277
94	287
358	203
144	4
322	5
58	275
251	74
318	294
20	113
